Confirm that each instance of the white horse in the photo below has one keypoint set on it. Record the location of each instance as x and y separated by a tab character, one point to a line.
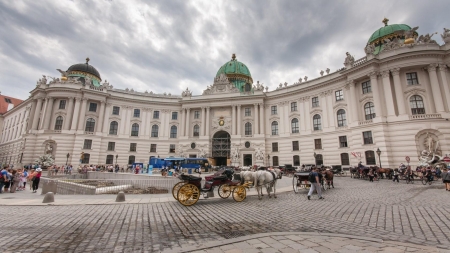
247	176
267	179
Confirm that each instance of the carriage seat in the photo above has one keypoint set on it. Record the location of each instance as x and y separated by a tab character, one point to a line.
221	178
190	178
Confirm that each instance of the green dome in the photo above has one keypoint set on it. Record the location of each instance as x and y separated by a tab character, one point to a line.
235	69
387	30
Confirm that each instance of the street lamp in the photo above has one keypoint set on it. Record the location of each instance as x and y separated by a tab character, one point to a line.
379	153
68	155
117	156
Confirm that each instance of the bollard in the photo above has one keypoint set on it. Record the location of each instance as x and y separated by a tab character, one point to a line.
120	197
49	197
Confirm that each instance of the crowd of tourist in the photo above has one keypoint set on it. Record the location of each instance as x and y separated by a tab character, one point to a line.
12	180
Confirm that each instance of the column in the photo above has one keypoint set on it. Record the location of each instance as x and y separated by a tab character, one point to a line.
203	125
48	112
398	91
167	122
82	114
99	125
43	111
287	108
434	83
261	119
323	102
307	113
31	115
233	120
37	111
238	122
352	108
182	126
76	113
188	112
256	119
376	94
106	118
69	114
445	84
143	125
280	109
123	119
331	115
207	120
388	93
301	110
148	127
128	120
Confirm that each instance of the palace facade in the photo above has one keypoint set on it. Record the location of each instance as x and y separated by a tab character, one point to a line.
395	100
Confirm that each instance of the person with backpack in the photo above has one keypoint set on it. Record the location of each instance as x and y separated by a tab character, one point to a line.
315	184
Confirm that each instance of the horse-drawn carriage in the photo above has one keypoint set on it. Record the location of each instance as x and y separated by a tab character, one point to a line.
189	190
300	180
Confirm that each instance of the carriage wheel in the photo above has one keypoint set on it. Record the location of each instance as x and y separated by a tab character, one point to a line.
176	188
424	180
224	191
188	194
295	184
239	193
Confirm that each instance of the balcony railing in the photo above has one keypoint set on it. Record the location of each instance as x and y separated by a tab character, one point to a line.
360	61
426	116
366	122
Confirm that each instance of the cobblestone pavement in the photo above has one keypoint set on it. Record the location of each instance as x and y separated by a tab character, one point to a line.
382	210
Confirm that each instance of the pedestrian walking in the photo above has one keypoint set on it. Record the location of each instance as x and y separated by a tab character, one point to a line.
36	179
15	179
446	179
395	175
3	177
315	184
371	175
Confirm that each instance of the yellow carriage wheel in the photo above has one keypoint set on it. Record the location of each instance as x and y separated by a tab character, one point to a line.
239	193
176	188
224	191
188	194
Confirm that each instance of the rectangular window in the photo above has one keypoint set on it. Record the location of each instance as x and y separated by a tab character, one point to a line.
111	146
273	110
339	95
248	112
87	144
137	113
295	146
174	115
62	104
92	107
293	106
366	87
318	143
196	114
7	100
172	148
274	146
315	101
116	110
275	161
296	160
343	141
411	78
109	159
153	148
367	136
156	114
133	147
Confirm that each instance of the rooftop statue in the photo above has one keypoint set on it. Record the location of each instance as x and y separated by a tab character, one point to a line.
63	73
369	49
87	80
349	59
426	39
446	35
186	93
409	35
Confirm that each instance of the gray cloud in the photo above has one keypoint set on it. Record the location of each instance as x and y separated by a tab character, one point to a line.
165	46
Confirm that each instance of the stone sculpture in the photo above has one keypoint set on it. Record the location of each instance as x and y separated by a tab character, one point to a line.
87	80
306	78
328	71
321	73
186	93
259	154
349	60
446	35
300	80
369	49
63	73
426	39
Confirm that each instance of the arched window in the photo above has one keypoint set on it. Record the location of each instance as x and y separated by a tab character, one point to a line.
155	129
59	123
369	110
113	127
248	87
135	129
296	160
294	126
131	159
416	103
196	130
370	157
173	132
109	159
345	159
275	161
90	125
341	118
317	122
274	128
85	158
248	128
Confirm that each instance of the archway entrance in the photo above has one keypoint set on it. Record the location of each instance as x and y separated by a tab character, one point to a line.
221	148
247	160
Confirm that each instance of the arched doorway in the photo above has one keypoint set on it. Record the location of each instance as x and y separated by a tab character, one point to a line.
221	148
247	160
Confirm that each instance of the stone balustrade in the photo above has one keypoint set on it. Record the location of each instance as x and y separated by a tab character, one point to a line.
366	122
426	116
360	61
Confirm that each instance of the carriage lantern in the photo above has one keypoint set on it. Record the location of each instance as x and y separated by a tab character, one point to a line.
379	153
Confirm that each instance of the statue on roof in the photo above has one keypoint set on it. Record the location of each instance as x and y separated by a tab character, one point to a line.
369	49
349	60
446	35
87	80
186	93
426	39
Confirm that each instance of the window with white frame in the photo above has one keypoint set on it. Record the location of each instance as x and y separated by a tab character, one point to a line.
248	112
411	78
369	110
274	128
273	110
315	101
366	87
417	106
317	122
294	126
341	118
339	95
293	106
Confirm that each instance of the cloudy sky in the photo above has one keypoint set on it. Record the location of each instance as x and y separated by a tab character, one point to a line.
166	46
